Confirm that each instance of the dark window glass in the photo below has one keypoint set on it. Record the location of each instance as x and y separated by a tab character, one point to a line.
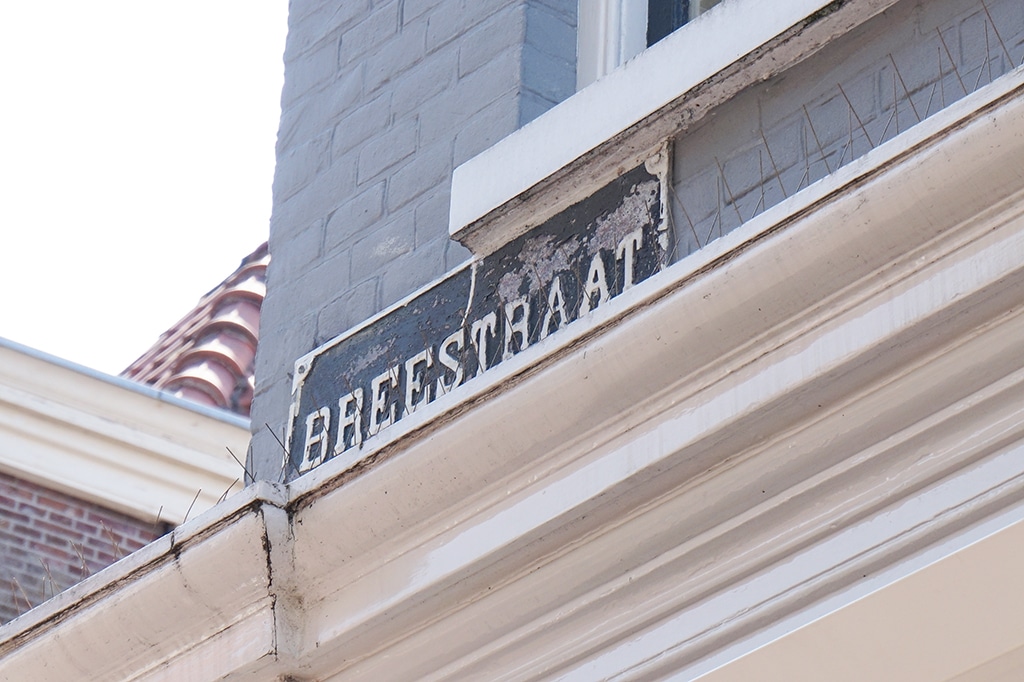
665	16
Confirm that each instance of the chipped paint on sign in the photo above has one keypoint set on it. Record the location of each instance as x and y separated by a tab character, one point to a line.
364	381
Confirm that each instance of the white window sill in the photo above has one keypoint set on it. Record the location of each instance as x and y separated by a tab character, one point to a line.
483	186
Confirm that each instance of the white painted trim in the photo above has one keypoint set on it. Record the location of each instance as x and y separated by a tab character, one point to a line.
194	604
554	507
110	441
599	114
126	384
962	609
684	410
609	32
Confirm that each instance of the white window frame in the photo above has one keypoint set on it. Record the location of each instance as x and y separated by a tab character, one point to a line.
610	32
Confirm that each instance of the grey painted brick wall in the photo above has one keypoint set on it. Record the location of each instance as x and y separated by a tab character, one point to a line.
382	100
858	92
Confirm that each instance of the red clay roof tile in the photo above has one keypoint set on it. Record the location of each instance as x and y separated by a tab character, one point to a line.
208	355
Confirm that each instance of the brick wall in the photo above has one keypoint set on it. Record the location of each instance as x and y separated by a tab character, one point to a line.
49	541
382	100
857	93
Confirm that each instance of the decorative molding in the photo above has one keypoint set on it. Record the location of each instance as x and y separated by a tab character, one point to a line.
724	439
114	442
198	599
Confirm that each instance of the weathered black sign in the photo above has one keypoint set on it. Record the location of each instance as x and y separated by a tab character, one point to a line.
359	384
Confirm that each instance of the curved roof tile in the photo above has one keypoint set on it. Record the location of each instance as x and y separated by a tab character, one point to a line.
207	356
243	316
229	350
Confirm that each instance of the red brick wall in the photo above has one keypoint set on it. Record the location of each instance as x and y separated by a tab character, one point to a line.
49	541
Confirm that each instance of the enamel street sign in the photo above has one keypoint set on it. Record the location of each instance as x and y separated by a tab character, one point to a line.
361	383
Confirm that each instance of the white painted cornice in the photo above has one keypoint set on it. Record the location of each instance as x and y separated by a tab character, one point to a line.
817	396
782	437
111	441
195	604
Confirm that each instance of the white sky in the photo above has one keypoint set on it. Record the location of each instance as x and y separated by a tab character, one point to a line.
136	164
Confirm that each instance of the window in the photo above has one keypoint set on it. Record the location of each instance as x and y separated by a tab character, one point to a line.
665	16
612	31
